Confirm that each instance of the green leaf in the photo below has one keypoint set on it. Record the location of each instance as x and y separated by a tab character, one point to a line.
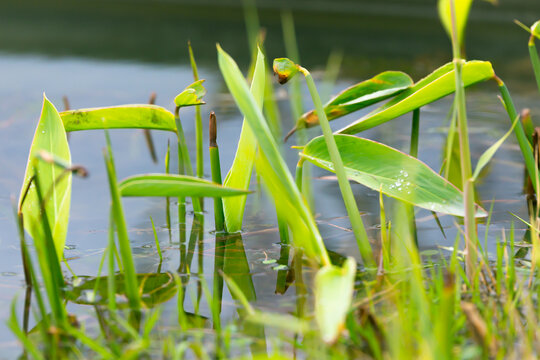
119	117
271	165
462	8
484	159
333	296
239	176
361	95
438	84
174	185
50	136
396	174
192	95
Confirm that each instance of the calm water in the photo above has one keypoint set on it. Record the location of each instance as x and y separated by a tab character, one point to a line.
114	65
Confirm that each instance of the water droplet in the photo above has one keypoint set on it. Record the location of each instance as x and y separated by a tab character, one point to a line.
43	131
399	188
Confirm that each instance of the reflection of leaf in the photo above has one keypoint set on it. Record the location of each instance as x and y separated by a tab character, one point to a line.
174	185
396	174
333	296
436	85
51	137
119	117
192	95
154	288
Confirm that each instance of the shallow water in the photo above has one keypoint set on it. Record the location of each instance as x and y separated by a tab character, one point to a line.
90	81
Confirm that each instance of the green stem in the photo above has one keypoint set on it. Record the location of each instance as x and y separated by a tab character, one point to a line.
524	145
299	174
132	290
344	185
198	119
219	215
465	158
535	61
415	131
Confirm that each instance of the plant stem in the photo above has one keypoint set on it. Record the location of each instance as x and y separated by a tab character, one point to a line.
198	119
132	290
535	61
524	144
344	185
465	158
219	215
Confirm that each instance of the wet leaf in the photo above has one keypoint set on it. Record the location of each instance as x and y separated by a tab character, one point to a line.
135	116
438	84
361	95
334	287
396	174
192	95
174	185
239	175
271	165
50	136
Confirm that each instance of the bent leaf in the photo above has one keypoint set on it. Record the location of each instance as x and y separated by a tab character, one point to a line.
50	136
396	174
271	165
119	117
484	159
361	95
334	287
174	185
239	176
438	84
192	95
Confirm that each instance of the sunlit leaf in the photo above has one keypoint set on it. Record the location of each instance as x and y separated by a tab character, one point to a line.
461	13
192	95
50	136
142	116
239	176
174	185
271	165
390	171
361	95
334	287
535	29
438	84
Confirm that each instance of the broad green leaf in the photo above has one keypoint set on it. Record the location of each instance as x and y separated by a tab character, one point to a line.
390	171
438	84
462	8
361	95
50	136
239	176
174	185
484	159
271	165
142	116
334	287
192	95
